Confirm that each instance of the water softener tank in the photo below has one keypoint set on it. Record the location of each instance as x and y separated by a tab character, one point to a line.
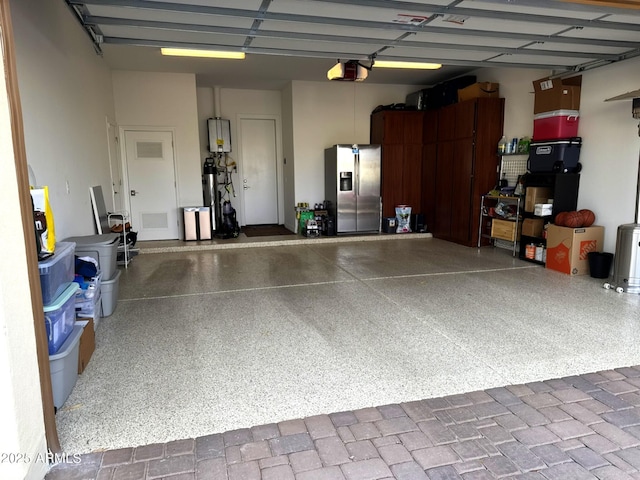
210	192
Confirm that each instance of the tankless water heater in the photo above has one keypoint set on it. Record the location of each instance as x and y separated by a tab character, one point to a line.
219	135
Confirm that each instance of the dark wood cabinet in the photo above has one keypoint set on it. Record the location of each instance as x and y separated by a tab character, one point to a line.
462	157
440	162
428	174
400	135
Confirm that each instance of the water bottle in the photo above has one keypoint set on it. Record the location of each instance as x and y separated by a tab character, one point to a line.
502	145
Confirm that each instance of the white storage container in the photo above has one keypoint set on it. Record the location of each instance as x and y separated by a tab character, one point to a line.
64	367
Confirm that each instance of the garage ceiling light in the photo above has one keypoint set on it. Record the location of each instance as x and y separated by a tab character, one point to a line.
418	65
184	52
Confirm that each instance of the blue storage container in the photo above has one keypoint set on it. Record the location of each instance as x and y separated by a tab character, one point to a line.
60	316
56	271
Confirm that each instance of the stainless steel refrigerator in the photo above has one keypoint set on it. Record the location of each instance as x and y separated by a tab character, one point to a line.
352	187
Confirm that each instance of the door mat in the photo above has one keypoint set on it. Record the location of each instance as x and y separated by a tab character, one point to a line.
265	230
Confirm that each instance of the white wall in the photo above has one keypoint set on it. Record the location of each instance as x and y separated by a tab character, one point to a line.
610	147
289	164
165	101
517	89
20	400
326	113
66	97
235	103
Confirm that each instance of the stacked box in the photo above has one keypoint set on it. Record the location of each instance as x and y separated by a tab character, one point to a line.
64	367
59	317
109	294
535	195
568	248
557	94
88	298
479	90
102	248
87	343
57	271
505	230
555	125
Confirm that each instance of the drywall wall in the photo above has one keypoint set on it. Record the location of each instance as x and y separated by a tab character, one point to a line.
66	96
164	101
288	156
234	104
610	147
517	90
328	113
22	441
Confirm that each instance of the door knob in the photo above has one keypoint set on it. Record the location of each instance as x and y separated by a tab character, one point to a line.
133	193
246	187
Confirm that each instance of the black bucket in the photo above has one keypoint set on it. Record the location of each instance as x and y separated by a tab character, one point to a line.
600	264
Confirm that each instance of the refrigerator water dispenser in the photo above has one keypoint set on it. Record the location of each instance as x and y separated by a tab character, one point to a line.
346	181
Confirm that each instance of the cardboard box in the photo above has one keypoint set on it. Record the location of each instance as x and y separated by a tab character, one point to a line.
535	195
87	344
532	227
477	90
568	248
557	94
505	230
543	209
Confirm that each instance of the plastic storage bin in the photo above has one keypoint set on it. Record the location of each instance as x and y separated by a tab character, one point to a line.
109	292
60	316
103	248
57	271
556	124
64	367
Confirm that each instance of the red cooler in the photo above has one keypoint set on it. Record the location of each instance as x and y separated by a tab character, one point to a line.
555	124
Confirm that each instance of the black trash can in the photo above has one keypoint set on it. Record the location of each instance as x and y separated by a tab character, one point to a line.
600	264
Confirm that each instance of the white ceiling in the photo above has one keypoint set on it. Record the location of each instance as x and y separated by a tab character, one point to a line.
301	39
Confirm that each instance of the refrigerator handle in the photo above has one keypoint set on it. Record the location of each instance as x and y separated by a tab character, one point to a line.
357	172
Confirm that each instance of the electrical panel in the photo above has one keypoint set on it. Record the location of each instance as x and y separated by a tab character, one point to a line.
219	135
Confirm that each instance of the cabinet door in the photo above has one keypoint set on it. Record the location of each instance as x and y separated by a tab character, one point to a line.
430	126
429	205
392	165
444	173
387	127
465	125
413	127
412	177
447	123
462	183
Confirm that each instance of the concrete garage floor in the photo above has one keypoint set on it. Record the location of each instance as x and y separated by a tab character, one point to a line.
210	341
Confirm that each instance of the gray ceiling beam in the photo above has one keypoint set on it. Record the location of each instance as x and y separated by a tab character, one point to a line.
491	14
417	7
478	33
330	55
244	32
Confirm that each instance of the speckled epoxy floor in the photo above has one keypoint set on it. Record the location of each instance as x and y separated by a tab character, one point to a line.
215	340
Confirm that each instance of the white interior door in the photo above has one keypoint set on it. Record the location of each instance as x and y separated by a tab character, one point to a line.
152	184
259	170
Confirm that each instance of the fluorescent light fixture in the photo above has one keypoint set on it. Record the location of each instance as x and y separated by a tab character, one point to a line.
418	65
184	52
